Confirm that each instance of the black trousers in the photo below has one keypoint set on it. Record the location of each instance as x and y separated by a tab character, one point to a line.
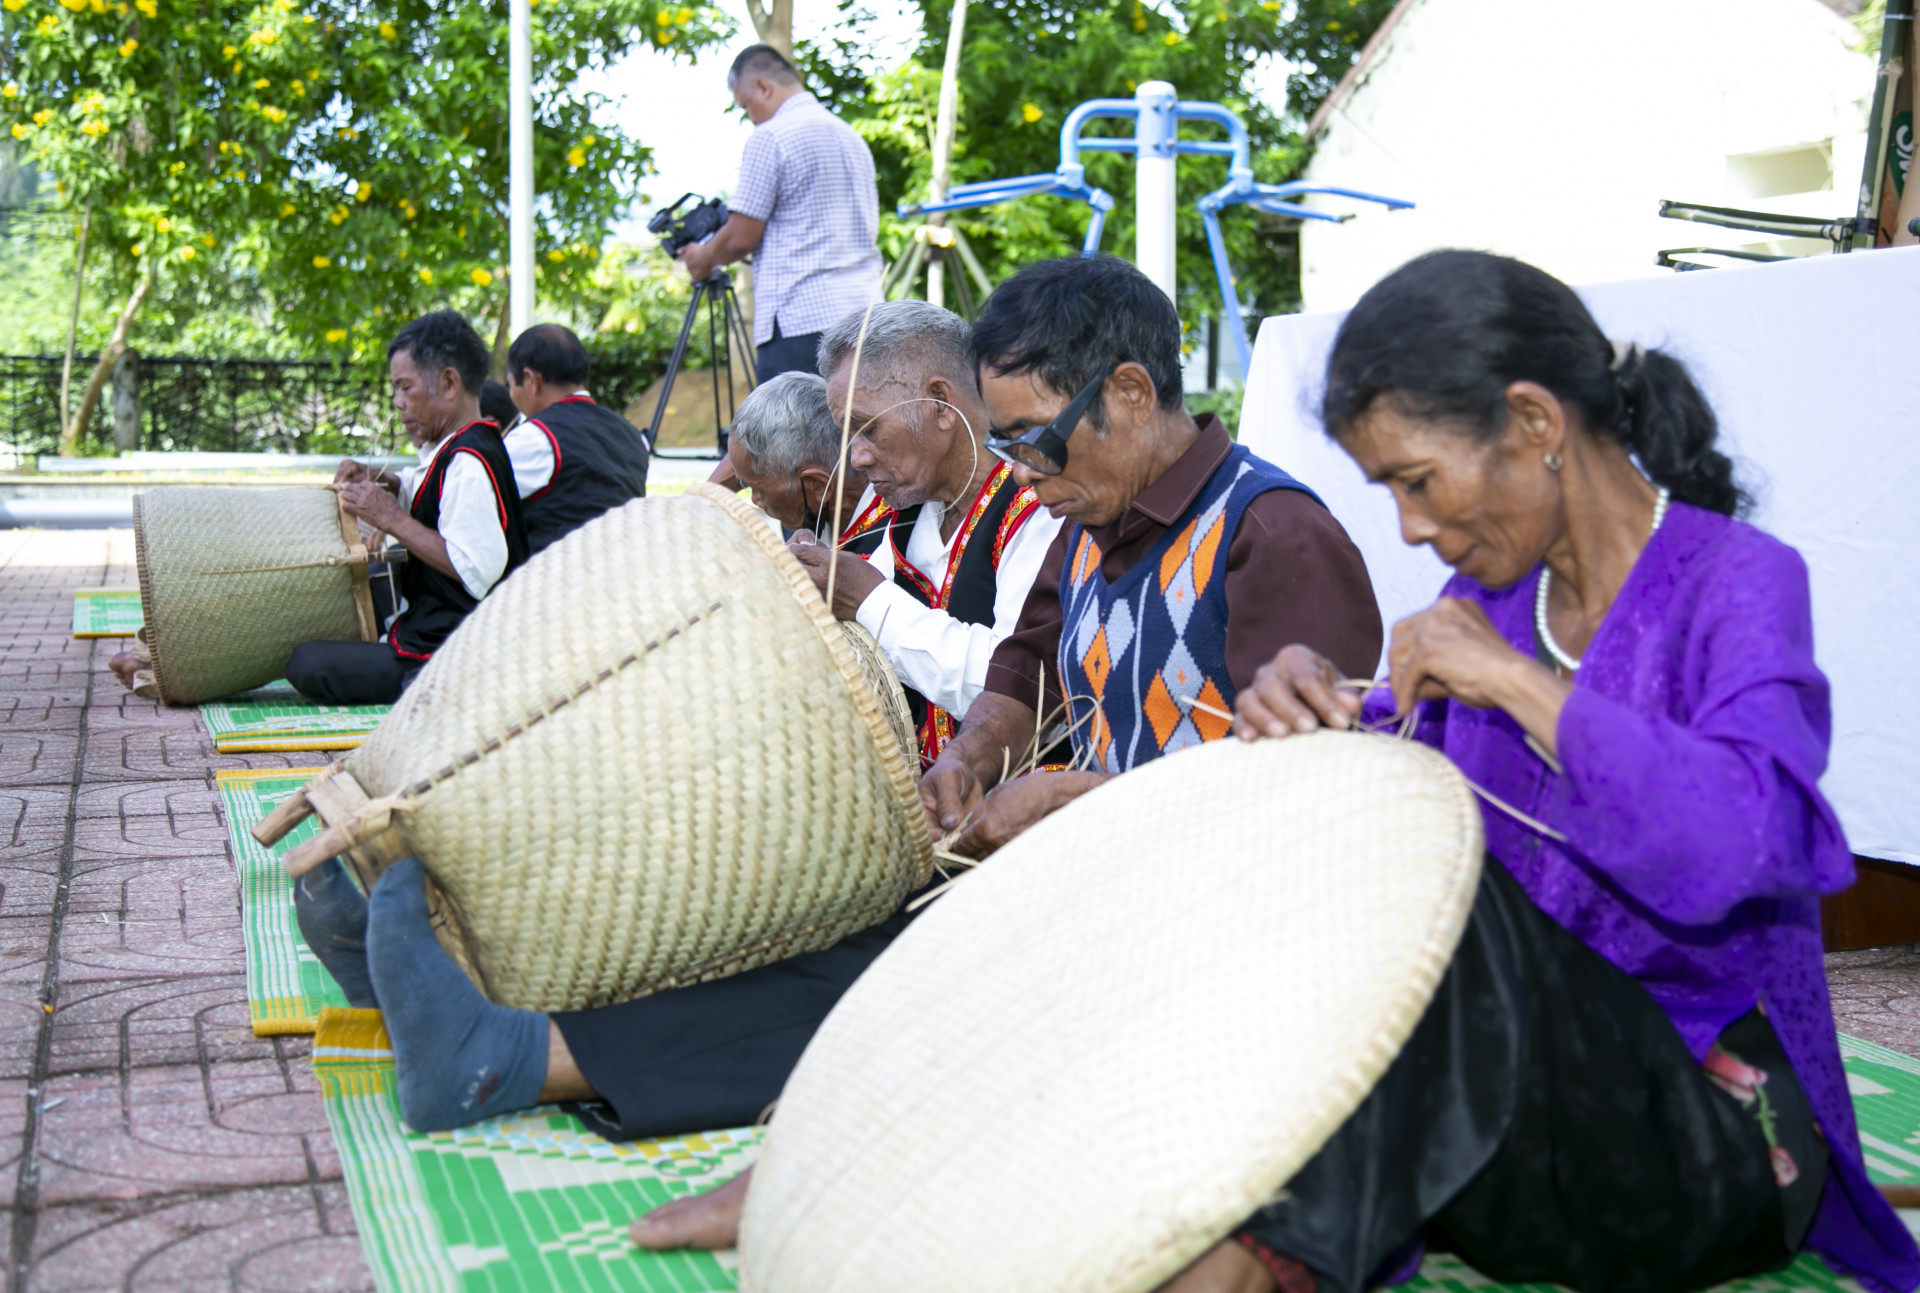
1547	1123
350	673
713	1054
787	354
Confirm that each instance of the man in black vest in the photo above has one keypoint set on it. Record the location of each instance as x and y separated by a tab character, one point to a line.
966	541
457	515
572	458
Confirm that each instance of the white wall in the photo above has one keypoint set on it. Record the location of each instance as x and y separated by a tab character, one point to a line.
1549	130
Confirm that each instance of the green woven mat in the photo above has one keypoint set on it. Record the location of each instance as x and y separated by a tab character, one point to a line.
538	1202
274	719
286	984
106	612
529	1202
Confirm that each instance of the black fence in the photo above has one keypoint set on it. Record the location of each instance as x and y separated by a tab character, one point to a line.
247	405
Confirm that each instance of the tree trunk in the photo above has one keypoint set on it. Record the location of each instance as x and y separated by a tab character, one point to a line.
773	24
89	398
73	319
943	144
502	336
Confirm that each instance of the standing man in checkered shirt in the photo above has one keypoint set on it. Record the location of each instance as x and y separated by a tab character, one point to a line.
806	209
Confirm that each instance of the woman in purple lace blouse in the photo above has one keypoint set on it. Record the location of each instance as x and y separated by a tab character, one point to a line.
1654	1098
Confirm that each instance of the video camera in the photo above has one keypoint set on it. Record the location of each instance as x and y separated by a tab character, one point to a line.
679	224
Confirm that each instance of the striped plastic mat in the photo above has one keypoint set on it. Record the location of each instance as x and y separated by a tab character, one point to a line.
287	987
534	1201
275	719
107	612
537	1201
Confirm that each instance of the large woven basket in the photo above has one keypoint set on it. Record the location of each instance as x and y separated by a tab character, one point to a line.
648	758
1098	1054
232	580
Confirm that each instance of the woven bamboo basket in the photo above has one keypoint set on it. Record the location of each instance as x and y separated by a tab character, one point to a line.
650	757
232	580
1099	1053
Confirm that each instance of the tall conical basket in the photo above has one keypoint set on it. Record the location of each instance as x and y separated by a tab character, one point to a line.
233	579
650	757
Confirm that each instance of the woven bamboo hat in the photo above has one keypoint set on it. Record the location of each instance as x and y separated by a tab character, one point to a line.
232	580
649	757
1098	1054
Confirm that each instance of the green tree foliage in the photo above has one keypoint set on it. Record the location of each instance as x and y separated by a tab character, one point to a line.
343	163
1027	63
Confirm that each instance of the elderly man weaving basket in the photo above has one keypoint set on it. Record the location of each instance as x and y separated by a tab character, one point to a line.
457	514
784	447
964	541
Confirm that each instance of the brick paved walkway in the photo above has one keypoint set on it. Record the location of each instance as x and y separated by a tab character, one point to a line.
148	1141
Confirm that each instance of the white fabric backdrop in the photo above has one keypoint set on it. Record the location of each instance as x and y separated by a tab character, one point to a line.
1814	368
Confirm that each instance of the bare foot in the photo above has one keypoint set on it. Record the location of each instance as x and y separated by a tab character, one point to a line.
1226	1268
124	666
710	1220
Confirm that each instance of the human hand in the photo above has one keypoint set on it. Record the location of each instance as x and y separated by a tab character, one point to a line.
369	502
949	791
854	580
1224	1268
710	1220
1015	805
350	470
1451	649
1294	692
698	258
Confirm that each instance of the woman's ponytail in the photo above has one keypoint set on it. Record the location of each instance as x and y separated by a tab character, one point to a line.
1669	426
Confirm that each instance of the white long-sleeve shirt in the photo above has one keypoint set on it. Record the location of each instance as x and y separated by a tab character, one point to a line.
469	517
530	450
942	658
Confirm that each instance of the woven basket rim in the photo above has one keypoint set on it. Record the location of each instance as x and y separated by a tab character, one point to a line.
154	657
900	776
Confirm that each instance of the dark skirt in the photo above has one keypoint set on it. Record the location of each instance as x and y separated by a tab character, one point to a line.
715	1054
1547	1123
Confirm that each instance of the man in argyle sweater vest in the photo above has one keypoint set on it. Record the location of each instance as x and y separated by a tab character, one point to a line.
1185	564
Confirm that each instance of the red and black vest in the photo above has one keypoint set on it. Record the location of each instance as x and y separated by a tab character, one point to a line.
599	462
436	603
973	579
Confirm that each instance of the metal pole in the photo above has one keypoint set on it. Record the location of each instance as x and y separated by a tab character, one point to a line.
520	165
1893	44
943	142
1155	188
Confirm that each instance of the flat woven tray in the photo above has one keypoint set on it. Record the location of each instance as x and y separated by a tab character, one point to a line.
262	722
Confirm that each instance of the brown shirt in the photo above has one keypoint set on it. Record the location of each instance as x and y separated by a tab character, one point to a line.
1293	575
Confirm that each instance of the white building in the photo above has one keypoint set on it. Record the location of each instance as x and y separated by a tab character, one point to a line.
1550	130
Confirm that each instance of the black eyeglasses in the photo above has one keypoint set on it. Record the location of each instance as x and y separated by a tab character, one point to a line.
1044	448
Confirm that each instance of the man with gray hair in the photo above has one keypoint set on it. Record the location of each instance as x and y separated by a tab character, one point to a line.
965	542
785	447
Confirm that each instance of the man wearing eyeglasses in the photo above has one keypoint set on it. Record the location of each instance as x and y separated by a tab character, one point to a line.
1184	564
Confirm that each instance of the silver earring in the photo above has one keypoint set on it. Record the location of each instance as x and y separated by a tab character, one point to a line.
1553	461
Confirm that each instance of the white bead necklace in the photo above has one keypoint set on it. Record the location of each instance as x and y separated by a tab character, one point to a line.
1560	657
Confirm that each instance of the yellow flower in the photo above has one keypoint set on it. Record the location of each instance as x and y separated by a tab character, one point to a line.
1030	113
663	38
228	51
207	238
589	141
556	256
128	46
11	90
298	89
407	209
163	225
265	36
98	6
348	132
176	168
273	114
337	215
43	116
1139	16
94	128
336	334
47	25
286	209
387	32
426	276
95	102
683	16
362	193
402	253
236	67
137	248
1172	38
322	262
151	8
186	253
15	6
663	18
481	278
262	83
576	157
21	130
75	5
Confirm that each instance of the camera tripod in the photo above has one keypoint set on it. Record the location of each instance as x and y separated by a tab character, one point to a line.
726	332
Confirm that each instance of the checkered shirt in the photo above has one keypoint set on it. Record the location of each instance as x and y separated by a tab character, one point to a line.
810	177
